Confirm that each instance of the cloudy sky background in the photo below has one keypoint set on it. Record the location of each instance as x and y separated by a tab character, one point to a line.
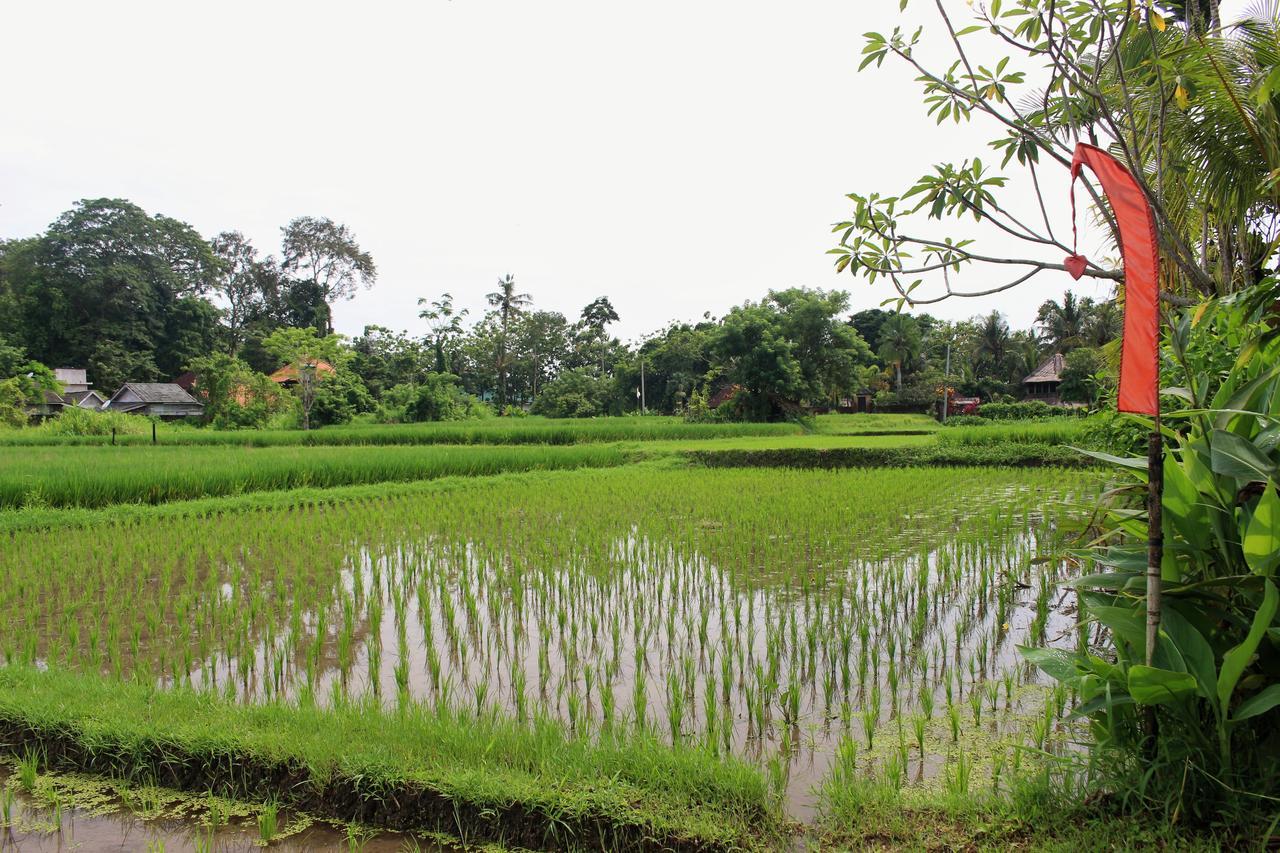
679	157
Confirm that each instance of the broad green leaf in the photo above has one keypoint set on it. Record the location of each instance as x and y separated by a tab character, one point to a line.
1103	702
1127	625
1152	686
1058	664
1236	457
1259	704
1235	661
1182	505
1196	652
1262	535
1137	463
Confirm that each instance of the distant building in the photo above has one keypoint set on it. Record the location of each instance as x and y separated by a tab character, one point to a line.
50	403
72	379
287	376
76	389
155	399
1045	381
86	399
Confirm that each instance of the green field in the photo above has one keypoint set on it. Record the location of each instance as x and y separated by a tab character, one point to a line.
593	644
525	430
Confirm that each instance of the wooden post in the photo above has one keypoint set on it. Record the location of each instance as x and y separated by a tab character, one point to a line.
113	436
1155	535
153	432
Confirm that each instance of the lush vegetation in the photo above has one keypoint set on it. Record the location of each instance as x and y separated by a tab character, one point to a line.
1179	686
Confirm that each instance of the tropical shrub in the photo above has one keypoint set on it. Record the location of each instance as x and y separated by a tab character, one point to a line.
1191	726
437	398
574	394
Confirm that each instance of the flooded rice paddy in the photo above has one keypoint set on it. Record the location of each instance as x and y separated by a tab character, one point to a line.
795	619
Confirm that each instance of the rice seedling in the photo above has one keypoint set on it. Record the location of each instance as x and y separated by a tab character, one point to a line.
28	770
269	822
551	598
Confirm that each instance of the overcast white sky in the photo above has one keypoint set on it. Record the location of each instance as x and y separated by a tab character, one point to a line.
679	157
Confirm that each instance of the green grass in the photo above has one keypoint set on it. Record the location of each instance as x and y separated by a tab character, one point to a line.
100	476
93	477
1049	431
419	767
530	430
872	423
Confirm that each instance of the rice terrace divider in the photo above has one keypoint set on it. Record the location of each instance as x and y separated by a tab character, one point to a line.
418	768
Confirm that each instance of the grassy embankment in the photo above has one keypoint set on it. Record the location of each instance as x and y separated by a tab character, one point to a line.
417	768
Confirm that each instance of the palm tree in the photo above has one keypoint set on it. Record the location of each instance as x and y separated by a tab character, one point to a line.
446	326
509	305
1103	324
1064	322
1026	351
991	350
899	343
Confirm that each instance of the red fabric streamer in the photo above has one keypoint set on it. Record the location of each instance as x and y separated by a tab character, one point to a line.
1140	349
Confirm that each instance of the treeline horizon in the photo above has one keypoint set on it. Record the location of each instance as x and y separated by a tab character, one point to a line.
133	297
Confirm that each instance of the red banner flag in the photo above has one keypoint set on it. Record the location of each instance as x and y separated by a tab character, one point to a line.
1140	349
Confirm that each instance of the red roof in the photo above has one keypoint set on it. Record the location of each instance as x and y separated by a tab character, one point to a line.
289	373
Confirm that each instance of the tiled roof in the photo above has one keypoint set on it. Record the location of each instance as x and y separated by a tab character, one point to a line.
160	392
289	373
1050	370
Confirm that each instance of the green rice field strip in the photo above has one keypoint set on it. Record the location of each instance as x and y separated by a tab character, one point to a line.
101	476
530	430
789	622
1051	431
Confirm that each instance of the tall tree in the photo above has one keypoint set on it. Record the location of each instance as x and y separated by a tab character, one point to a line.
304	349
326	254
595	319
109	288
445	323
507	305
900	343
1064	323
239	283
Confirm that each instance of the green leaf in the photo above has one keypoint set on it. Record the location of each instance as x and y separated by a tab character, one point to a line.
1137	463
1182	506
1058	664
1196	652
1236	457
1151	686
1262	535
1127	625
1235	661
1259	704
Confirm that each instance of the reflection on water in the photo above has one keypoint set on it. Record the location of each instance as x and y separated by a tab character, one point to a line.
762	638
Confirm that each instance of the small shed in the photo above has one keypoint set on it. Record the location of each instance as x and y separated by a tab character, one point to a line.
1045	381
155	399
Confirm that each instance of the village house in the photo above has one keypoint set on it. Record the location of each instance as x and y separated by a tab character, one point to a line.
1045	381
164	400
287	376
76	390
